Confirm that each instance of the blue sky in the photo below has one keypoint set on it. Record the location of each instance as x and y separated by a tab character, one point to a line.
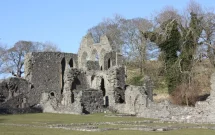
65	22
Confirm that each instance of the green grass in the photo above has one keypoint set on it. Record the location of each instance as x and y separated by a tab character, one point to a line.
136	80
10	130
37	125
62	118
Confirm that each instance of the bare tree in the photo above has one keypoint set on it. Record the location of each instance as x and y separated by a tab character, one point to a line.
194	7
13	58
167	13
208	35
111	27
136	46
49	47
2	53
207	47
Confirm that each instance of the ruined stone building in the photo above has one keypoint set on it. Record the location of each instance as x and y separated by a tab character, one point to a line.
89	82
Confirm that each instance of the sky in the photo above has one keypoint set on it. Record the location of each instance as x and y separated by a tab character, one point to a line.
65	22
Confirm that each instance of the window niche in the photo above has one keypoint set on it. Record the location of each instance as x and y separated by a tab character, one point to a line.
109	63
71	63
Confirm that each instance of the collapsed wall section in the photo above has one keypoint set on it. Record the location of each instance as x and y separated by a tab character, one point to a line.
14	96
14	93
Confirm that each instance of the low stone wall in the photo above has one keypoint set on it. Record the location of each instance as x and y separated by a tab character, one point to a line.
92	101
86	101
19	110
15	93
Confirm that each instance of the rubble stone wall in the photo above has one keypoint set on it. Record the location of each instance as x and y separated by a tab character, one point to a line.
92	101
15	95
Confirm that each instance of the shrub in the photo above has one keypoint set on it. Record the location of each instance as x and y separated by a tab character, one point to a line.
136	80
186	94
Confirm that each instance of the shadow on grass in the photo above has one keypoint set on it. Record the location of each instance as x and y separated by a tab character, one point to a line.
7	111
2	120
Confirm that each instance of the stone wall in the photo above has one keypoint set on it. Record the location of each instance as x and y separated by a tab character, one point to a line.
113	59
92	101
92	65
62	87
135	101
116	77
110	60
15	95
45	70
78	79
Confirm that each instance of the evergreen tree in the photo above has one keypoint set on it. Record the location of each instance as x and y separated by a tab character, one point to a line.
190	38
169	43
178	44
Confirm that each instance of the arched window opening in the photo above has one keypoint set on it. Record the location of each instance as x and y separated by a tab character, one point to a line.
109	63
71	63
63	67
106	98
106	104
103	87
72	97
76	83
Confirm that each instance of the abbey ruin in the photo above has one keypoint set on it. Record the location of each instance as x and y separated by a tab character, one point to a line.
91	81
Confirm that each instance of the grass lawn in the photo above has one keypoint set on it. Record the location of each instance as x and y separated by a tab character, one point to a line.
53	118
10	130
37	124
